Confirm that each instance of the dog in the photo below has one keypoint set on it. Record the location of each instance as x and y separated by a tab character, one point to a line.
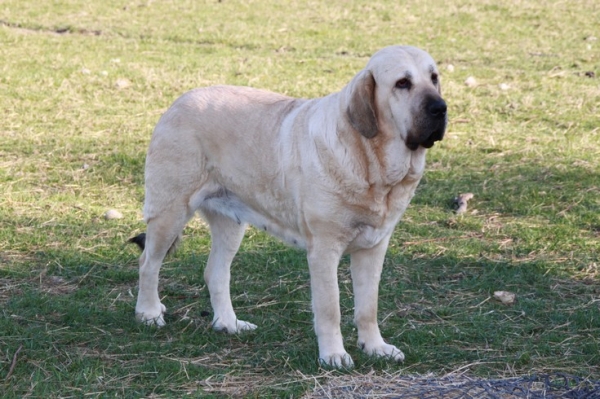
332	175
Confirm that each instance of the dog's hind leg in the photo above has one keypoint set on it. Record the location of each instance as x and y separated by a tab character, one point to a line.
162	232
226	237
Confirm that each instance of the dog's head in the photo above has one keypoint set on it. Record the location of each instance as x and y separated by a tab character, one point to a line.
399	92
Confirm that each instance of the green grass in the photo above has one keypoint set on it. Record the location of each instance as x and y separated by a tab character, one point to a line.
72	145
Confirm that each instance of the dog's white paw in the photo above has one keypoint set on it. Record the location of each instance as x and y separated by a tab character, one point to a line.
337	360
151	316
233	327
383	350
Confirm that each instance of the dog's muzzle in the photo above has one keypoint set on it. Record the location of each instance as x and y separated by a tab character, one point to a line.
431	126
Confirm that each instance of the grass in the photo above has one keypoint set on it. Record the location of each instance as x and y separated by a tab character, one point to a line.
83	85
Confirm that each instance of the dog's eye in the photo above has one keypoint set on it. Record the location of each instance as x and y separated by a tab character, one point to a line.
434	78
404	83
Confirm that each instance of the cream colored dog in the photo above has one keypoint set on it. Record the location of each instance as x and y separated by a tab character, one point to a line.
332	175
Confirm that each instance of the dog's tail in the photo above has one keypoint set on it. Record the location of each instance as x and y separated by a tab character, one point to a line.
140	241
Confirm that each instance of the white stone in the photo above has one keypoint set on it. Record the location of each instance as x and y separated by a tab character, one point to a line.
113	214
122	83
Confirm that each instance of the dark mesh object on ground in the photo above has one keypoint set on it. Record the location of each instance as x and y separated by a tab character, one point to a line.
458	386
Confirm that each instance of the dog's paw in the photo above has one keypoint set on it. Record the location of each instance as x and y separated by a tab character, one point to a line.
383	350
151	316
337	360
244	326
234	327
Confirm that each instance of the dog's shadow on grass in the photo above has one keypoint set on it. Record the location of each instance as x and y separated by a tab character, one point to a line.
533	235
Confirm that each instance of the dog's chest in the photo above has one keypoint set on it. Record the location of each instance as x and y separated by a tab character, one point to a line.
369	236
384	213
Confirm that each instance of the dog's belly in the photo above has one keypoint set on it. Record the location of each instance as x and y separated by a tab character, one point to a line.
229	204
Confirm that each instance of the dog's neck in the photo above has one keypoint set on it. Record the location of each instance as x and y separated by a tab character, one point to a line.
367	171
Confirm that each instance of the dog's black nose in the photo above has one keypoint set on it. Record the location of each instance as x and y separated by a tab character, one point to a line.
437	108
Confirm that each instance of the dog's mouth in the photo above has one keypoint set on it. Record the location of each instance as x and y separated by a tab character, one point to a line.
436	135
428	143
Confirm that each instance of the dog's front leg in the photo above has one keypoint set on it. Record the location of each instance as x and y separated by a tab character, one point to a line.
323	263
366	266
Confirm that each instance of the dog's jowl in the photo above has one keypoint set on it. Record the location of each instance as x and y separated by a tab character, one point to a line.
332	175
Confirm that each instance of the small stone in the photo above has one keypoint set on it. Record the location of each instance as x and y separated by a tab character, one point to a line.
506	297
85	71
504	86
113	214
471	81
450	68
461	202
122	83
56	280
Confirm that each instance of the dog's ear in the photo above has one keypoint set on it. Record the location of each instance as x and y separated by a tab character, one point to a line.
361	109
